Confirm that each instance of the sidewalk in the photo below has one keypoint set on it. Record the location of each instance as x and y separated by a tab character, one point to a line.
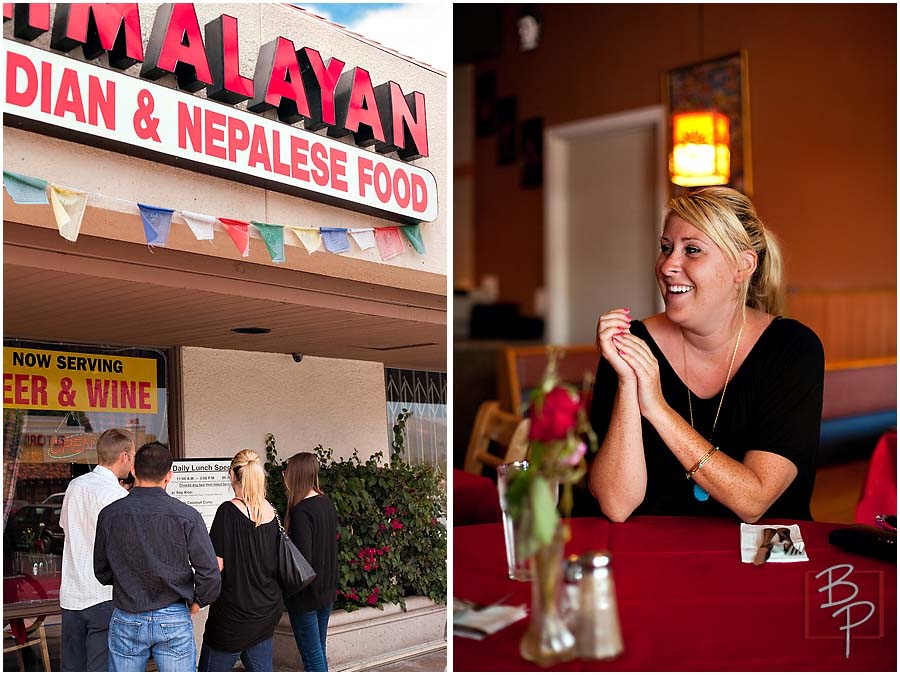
426	663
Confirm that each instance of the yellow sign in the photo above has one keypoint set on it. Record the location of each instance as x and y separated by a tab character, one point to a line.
37	379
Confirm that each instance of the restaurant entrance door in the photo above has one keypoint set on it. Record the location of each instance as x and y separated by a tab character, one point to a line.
605	195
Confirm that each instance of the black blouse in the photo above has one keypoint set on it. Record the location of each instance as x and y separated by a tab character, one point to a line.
250	605
773	403
313	529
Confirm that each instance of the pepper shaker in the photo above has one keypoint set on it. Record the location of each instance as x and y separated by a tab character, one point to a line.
598	635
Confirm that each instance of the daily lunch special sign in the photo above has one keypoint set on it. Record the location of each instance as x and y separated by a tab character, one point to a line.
68	97
201	483
40	379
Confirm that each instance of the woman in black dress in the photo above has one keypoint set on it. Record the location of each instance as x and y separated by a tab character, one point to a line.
311	523
712	407
245	535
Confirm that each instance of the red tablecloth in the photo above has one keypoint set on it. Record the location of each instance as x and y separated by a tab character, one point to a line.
879	495
686	602
475	500
24	588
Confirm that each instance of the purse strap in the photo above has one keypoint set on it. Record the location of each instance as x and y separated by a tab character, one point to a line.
278	520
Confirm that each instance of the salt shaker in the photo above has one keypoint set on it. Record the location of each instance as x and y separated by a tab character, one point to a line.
571	595
597	631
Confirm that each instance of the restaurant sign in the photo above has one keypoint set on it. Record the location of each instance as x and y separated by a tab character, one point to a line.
85	102
38	379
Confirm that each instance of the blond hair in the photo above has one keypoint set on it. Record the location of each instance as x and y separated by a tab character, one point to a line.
729	219
249	472
111	444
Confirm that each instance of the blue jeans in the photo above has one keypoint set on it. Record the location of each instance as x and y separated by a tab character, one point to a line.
310	631
167	633
257	658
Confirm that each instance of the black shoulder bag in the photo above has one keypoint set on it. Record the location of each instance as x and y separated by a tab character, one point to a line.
293	571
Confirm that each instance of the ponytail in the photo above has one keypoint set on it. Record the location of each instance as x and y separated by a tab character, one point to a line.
248	470
730	220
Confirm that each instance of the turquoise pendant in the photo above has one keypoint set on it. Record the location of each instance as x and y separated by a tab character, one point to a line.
700	494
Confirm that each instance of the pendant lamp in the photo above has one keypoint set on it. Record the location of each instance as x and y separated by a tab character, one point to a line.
700	148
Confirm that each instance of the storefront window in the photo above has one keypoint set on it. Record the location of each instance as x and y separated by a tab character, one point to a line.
424	394
57	400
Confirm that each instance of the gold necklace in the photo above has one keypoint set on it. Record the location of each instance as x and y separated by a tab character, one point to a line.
724	386
700	494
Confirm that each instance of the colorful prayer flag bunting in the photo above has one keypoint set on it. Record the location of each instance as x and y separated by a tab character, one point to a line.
310	237
156	223
201	225
363	236
389	242
239	231
273	235
25	189
68	209
335	238
414	236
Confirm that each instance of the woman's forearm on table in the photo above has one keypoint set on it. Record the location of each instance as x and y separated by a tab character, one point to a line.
618	477
748	491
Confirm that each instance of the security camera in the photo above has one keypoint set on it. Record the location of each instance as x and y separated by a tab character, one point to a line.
297	356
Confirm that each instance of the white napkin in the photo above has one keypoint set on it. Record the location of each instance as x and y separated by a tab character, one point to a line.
751	540
479	623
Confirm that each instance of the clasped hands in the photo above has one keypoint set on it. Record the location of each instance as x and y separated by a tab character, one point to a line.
631	359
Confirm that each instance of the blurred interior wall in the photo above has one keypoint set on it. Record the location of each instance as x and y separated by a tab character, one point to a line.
823	93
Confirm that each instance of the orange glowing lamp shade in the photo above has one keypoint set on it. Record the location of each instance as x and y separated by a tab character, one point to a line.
700	154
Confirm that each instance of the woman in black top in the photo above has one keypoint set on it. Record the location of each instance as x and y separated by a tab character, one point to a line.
714	406
311	523
244	534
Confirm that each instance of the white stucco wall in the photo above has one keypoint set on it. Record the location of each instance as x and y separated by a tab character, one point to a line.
232	399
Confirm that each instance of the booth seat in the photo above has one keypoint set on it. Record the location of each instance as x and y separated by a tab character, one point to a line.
859	405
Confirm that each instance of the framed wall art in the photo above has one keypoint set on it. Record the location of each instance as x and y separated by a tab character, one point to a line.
719	84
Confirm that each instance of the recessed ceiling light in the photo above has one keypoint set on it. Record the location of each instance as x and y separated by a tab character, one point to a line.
251	330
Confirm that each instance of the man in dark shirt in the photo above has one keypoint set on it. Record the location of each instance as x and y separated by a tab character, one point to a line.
147	544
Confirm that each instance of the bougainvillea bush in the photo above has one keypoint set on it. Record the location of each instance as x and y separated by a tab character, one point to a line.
391	531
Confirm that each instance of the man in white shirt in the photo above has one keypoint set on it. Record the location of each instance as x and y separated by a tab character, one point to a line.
86	604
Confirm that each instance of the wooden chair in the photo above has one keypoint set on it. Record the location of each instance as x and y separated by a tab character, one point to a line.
41	640
493	425
520	369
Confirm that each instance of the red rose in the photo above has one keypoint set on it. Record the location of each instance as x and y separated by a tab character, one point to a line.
558	415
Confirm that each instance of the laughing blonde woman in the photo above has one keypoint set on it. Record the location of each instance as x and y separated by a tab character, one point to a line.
712	407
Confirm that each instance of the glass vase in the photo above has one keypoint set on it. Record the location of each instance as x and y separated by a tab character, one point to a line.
548	640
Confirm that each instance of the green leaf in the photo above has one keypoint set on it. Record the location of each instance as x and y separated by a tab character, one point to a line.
545	517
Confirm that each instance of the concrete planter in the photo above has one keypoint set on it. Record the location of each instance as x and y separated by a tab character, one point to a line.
368	637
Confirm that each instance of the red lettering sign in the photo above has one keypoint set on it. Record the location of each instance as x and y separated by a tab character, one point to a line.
176	46
98	27
29	19
228	85
281	85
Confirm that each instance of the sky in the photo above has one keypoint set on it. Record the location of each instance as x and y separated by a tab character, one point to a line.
422	30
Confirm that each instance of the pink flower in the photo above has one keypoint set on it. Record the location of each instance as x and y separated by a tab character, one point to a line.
434	521
381	527
373	598
338	536
390	510
556	417
575	457
397	525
